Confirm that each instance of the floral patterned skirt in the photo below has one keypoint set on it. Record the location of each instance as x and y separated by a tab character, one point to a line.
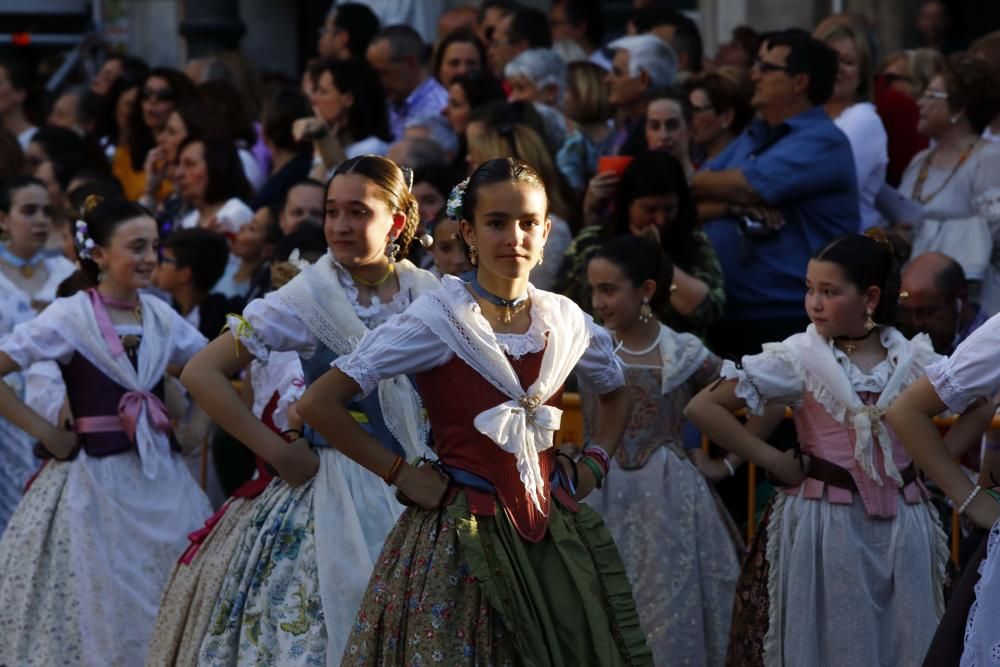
188	601
452	588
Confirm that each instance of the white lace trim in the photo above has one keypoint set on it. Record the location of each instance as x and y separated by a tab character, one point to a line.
987	204
374	313
515	345
982	640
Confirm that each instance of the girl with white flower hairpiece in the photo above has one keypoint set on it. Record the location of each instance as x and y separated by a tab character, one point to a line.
89	548
495	562
28	282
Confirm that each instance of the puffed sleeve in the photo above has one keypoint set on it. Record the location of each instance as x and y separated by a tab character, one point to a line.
270	324
401	346
600	369
971	371
187	340
773	376
38	339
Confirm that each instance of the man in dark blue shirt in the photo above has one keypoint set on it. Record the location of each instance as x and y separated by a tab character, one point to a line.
780	191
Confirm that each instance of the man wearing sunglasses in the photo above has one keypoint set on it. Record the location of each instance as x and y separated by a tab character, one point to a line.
782	189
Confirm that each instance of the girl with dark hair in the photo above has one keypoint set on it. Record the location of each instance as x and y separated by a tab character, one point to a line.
225	101
298	573
652	199
851	534
494	562
28	282
89	548
680	546
160	92
351	115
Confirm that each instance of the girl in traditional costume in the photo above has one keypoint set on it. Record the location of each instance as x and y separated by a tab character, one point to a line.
680	546
971	376
848	567
299	572
28	282
497	563
189	598
89	549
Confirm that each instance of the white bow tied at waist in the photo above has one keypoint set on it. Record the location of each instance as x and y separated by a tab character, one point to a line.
867	422
522	427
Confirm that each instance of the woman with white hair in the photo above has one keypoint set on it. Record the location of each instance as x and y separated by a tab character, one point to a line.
537	75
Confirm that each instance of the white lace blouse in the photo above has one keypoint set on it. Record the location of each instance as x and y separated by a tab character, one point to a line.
405	345
971	371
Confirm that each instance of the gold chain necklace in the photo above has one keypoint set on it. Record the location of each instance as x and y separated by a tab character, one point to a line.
918	186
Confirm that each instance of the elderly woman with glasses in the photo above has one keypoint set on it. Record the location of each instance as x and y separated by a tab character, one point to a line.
954	181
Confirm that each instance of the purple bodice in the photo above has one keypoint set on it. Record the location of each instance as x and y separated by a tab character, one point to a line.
93	394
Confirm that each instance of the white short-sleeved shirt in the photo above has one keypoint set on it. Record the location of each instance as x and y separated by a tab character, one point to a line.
972	371
406	345
870	146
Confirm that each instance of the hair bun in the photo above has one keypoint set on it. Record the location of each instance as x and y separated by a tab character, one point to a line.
878	235
90	203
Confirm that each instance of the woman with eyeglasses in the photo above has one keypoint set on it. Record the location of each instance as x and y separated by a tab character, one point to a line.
161	91
720	109
954	180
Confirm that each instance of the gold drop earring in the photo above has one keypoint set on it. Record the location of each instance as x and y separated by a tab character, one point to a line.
473	255
869	323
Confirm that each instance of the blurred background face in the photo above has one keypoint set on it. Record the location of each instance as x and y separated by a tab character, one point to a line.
328	102
845	87
666	129
459	58
170	138
706	124
429	201
652	212
457	111
110	70
29	222
934	111
192	173
303	201
623	89
123	109
157	102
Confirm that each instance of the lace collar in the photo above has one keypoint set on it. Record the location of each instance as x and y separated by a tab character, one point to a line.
374	313
513	344
874	379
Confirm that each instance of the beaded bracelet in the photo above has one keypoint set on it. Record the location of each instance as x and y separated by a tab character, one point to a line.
969	499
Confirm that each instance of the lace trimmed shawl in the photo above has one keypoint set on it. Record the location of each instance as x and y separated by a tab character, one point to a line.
320	301
524	425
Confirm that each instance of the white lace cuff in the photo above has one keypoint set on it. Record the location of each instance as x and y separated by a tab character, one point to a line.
948	388
242	331
358	371
746	388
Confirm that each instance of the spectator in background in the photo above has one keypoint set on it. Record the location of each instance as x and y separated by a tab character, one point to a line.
677	30
417	153
668	126
525	28
652	199
398	56
66	112
291	159
253	246
582	23
955	181
11	155
458	53
586	104
210	180
720	109
466	93
305	200
988	49
54	156
640	63
768	202
910	71
115	67
490	14
224	99
347	31
537	75
934	299
17	100
458	18
350	115
740	50
904	79
851	109
159	93
437	129
191	262
934	27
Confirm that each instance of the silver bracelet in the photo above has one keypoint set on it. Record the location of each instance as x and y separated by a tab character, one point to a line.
729	466
969	499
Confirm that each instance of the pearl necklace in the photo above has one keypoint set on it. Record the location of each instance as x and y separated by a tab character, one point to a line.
642	352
